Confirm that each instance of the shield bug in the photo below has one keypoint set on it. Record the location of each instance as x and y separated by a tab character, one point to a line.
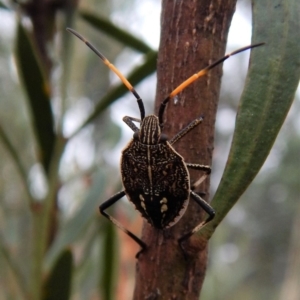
155	177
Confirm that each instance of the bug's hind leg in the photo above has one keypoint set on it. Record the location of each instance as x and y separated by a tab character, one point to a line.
109	203
207	208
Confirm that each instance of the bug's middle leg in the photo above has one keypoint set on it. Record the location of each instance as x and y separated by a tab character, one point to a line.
199	167
205	168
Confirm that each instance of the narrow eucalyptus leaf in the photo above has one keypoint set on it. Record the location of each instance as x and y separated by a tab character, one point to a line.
58	284
268	94
115	32
38	91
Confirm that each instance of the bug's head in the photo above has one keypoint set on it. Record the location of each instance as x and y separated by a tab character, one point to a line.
150	132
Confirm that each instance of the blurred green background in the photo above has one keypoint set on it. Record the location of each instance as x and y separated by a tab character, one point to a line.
252	255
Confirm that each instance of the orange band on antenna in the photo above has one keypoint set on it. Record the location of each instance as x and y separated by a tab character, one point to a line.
186	83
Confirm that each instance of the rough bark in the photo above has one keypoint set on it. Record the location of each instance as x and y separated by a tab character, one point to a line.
193	34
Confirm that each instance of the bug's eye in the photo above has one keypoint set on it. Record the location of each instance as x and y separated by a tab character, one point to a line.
163	138
136	135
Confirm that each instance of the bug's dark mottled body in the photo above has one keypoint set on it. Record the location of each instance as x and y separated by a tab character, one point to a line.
155	178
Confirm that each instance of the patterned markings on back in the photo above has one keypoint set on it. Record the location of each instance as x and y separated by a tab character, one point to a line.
157	174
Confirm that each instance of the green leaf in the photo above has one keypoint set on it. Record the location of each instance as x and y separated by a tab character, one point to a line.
269	92
2	5
109	261
117	33
16	158
17	277
79	222
134	78
38	92
58	285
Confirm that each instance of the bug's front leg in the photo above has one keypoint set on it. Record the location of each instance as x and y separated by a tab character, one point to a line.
111	201
129	122
185	130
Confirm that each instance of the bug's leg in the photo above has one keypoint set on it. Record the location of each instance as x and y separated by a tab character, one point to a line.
109	203
207	208
185	130
129	122
199	167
